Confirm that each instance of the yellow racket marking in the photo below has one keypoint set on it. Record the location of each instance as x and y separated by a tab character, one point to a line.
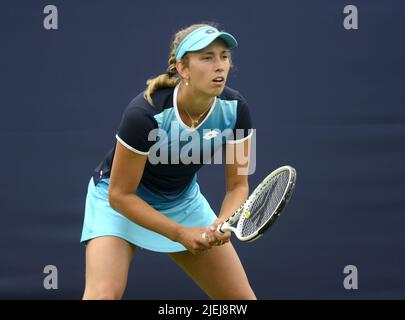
247	214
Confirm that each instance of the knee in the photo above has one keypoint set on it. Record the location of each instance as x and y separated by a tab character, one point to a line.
102	293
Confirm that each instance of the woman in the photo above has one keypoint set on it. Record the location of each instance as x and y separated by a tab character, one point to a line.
144	194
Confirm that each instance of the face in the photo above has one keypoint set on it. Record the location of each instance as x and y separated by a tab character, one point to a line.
208	69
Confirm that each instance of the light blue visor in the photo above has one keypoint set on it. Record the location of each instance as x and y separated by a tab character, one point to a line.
201	38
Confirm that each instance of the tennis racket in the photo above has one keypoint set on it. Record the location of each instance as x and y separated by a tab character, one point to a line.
263	206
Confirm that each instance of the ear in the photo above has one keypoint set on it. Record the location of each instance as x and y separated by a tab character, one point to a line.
182	70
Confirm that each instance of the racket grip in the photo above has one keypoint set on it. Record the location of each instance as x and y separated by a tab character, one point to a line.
224	227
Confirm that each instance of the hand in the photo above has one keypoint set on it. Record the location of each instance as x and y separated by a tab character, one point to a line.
215	238
192	238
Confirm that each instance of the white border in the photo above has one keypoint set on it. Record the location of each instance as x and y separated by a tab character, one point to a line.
129	147
240	140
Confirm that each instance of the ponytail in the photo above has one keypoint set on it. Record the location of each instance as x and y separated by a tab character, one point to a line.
161	81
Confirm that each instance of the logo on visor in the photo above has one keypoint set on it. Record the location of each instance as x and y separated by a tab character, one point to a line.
210	31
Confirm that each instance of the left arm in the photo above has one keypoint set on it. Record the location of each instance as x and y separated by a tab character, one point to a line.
237	170
237	156
237	187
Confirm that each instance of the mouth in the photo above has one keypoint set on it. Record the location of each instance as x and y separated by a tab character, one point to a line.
219	80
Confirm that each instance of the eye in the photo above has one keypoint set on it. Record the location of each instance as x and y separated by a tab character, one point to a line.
207	58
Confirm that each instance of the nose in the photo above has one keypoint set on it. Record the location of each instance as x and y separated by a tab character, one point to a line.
219	64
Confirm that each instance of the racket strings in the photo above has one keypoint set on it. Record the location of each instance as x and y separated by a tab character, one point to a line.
263	207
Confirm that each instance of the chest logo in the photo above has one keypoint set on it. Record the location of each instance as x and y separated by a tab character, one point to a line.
210	134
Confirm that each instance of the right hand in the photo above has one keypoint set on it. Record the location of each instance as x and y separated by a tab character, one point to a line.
192	239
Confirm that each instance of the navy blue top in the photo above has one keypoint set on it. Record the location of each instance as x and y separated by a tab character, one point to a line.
175	151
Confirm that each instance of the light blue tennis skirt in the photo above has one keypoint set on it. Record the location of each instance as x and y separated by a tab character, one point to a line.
190	209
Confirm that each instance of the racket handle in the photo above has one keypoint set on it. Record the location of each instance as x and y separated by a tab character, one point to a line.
223	227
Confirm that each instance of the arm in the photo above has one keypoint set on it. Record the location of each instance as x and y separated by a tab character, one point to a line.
126	173
237	187
237	159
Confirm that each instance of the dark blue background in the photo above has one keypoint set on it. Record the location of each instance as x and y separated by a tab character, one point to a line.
326	100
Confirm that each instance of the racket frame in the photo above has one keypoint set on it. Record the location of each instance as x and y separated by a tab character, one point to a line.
241	214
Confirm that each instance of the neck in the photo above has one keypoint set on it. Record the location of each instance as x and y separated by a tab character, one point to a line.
195	103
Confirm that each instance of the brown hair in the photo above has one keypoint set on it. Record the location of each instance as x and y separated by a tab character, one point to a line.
170	79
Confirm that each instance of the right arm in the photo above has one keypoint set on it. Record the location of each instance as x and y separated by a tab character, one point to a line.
126	173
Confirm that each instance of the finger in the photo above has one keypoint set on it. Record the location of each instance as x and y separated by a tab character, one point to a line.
215	224
209	239
226	236
221	236
205	243
222	242
219	243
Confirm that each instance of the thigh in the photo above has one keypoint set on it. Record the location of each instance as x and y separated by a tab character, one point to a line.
107	263
218	272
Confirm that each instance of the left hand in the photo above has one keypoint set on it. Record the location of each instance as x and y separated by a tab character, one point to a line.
217	238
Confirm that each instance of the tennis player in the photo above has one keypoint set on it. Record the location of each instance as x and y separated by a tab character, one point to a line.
144	193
